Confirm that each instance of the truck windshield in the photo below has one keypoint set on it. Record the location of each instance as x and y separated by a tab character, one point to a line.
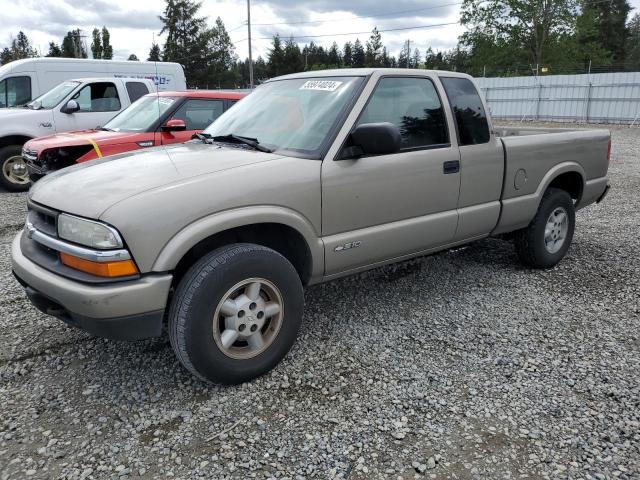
296	115
54	96
141	115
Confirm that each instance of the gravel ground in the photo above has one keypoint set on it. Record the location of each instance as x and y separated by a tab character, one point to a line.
458	365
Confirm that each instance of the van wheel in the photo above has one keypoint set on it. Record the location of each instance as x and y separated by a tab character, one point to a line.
236	313
547	238
14	176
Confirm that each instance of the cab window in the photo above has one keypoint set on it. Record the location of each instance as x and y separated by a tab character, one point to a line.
198	114
136	90
471	119
98	97
413	105
15	91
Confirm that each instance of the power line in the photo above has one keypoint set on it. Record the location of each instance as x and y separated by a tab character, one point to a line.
357	33
343	19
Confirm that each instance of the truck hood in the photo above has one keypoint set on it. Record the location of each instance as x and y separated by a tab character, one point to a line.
88	189
83	137
13	113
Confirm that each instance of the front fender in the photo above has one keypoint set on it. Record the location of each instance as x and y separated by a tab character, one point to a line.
205	227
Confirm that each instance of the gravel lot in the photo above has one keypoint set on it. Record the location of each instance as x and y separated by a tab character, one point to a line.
458	365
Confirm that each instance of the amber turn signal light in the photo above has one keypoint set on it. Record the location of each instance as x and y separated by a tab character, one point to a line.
120	268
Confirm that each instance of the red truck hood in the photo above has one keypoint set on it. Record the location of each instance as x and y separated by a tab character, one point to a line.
83	137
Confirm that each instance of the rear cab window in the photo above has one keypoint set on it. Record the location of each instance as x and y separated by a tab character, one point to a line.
135	90
15	91
413	105
468	111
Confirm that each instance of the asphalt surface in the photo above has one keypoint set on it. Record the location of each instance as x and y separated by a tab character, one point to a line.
459	365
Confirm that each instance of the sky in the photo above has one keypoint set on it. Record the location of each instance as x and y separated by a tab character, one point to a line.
134	24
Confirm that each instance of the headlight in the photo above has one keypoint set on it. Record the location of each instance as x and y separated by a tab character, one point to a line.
87	232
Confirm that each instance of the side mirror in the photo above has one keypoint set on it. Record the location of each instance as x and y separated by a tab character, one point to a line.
71	107
174	125
373	139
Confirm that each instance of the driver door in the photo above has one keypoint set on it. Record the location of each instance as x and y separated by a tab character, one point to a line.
384	207
99	102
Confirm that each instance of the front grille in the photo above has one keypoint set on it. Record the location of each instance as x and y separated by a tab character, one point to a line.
43	219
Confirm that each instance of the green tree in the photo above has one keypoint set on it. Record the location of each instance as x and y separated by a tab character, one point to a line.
133	58
334	58
186	37
610	25
292	57
633	45
358	55
20	48
416	59
374	49
154	53
347	54
528	25
54	50
107	49
72	45
96	44
219	58
275	57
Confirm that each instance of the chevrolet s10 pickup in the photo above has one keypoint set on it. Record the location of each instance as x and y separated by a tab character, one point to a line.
311	177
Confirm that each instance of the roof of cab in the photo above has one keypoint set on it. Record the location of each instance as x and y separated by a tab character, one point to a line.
219	94
364	72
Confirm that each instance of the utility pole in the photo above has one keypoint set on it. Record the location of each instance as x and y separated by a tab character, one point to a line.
408	51
249	31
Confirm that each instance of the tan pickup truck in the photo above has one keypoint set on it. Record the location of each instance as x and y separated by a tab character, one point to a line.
311	177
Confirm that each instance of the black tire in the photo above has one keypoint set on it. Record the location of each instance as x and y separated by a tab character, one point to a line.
530	241
5	154
200	291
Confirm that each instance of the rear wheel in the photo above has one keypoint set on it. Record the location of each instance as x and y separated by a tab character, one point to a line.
548	237
14	175
236	313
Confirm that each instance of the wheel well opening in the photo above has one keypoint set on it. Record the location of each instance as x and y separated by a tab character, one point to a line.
14	140
570	182
281	238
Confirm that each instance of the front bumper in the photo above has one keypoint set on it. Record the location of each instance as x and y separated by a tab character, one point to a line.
123	310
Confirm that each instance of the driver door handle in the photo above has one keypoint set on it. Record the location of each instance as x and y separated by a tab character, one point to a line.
452	166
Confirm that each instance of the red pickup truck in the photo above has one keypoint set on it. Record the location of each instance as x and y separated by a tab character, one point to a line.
155	119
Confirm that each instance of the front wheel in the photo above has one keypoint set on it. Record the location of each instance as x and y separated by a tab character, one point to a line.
236	313
14	175
547	238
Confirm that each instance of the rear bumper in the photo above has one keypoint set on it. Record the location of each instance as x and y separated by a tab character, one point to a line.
125	310
604	194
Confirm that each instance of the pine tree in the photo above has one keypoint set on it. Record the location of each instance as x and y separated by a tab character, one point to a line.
54	50
334	56
96	44
374	49
611	23
72	45
358	55
292	57
633	50
20	48
154	53
219	58
416	58
133	58
347	54
187	37
275	58
107	49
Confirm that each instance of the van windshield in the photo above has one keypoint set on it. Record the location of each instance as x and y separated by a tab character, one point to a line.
296	115
54	96
141	115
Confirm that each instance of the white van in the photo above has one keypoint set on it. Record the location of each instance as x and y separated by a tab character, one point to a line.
23	80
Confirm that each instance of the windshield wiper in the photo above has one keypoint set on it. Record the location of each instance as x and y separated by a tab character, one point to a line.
252	142
104	129
204	137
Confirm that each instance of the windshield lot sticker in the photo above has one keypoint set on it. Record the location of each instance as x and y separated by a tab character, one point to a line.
325	85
